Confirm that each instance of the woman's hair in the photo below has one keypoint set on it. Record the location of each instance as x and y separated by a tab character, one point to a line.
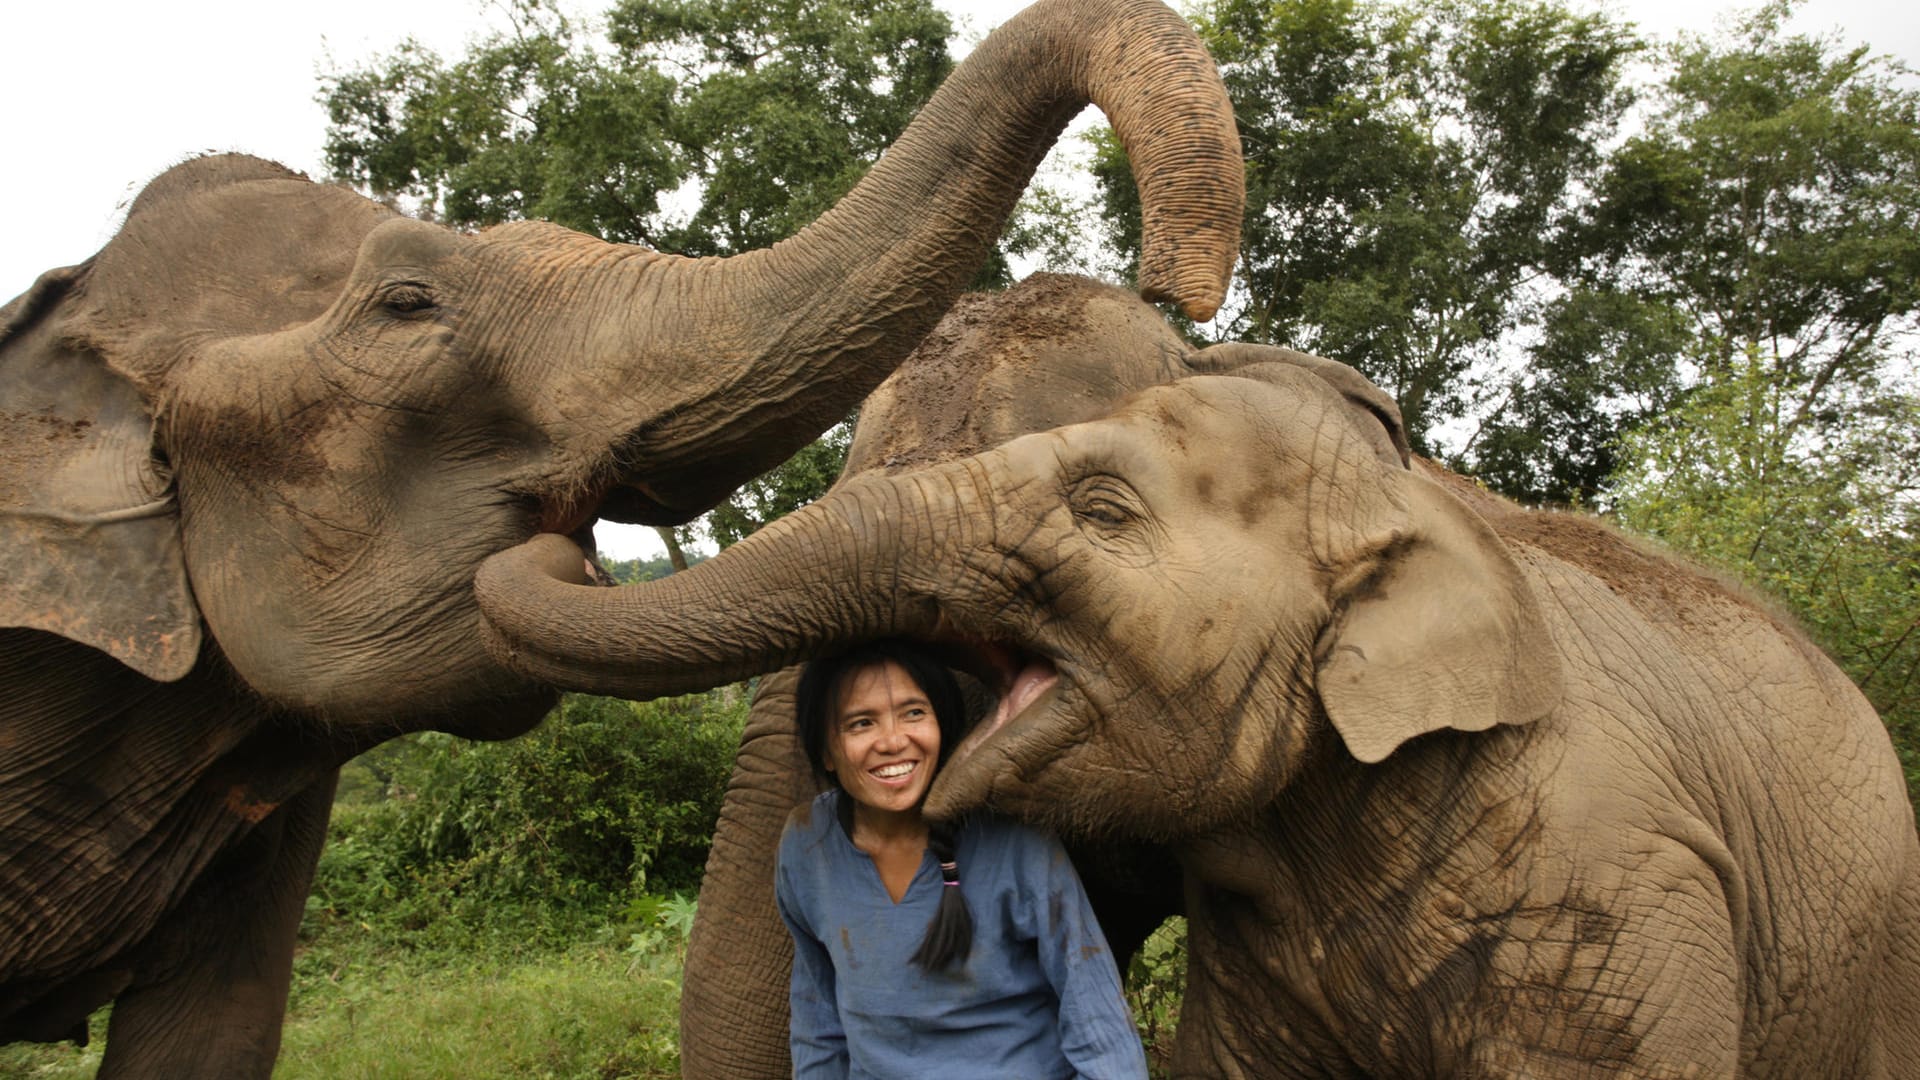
823	684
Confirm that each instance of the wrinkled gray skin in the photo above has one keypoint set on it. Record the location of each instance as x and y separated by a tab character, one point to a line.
1455	788
252	452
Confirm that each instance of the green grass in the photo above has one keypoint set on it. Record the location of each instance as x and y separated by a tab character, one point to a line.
61	1061
592	1012
364	1008
601	1010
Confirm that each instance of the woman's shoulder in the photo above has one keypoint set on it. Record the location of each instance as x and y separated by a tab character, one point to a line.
810	814
1002	829
811	821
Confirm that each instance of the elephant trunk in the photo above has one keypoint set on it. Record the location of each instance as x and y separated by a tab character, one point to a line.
731	1024
831	574
773	346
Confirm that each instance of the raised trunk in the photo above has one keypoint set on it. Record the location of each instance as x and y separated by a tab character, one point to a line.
764	350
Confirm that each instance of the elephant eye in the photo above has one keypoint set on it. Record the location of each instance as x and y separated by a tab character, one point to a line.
406	297
1105	503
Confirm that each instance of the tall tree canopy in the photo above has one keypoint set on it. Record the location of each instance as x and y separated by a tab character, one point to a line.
703	127
1772	209
1768	211
1408	171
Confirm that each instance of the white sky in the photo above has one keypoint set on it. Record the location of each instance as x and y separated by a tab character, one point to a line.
100	95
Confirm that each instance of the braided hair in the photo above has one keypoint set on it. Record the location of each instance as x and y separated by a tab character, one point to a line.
949	937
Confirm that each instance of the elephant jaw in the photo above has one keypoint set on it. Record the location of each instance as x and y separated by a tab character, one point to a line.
1035	719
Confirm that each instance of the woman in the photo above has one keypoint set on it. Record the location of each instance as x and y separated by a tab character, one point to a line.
898	970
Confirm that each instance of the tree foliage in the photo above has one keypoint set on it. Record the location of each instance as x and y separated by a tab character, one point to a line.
760	114
1769	208
805	476
1408	168
604	800
1772	208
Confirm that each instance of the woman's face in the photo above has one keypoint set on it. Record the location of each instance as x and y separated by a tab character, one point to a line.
885	742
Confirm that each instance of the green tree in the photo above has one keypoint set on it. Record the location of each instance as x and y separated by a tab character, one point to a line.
538	835
1408	168
1770	208
1603	362
776	494
702	127
755	116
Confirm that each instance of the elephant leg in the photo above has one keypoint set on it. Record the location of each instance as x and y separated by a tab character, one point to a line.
212	1005
733	1000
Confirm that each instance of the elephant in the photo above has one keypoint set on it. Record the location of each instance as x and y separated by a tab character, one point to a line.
253	451
1451	787
1052	350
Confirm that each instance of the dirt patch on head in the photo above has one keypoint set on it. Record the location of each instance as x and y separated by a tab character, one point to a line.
926	408
1054	349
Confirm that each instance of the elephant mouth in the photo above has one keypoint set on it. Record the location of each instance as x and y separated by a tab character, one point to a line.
576	525
632	503
1022	681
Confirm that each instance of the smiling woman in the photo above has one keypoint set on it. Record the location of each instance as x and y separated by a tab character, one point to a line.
862	876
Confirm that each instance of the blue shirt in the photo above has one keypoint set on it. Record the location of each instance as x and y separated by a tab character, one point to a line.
1038	997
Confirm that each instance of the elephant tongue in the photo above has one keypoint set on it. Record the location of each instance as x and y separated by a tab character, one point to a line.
1028	684
583	539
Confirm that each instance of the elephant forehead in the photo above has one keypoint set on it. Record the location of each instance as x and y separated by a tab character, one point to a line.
405	244
1220	418
1053	350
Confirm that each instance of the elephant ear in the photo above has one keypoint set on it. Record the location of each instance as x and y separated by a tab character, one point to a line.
1439	631
89	531
1373	409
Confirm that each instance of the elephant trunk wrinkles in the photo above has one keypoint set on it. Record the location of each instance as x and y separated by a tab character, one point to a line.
802	331
828	575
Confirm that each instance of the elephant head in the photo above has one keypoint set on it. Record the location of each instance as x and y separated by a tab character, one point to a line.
275	413
1049	351
1200	580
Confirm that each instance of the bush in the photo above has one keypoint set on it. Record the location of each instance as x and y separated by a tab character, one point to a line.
536	836
1156	981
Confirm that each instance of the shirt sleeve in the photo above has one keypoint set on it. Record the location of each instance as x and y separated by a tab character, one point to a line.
1097	1033
816	1040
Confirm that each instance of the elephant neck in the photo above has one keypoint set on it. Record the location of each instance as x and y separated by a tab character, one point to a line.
1365	896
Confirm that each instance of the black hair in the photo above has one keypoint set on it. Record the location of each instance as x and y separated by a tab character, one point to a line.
949	937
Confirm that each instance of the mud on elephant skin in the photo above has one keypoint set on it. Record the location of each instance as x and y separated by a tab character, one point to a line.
252	452
1457	788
